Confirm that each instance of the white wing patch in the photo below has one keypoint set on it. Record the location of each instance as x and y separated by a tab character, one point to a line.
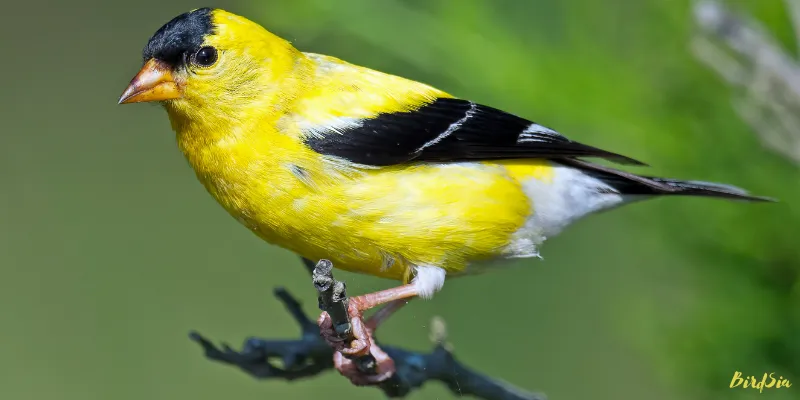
334	125
452	128
536	133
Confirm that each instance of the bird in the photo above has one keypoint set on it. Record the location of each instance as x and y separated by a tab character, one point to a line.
380	174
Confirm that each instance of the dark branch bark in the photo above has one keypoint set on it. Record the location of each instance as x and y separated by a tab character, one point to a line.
310	355
310	265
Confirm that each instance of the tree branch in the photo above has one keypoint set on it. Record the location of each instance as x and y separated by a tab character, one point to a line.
310	355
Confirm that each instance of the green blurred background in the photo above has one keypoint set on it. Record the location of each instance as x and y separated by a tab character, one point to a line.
111	252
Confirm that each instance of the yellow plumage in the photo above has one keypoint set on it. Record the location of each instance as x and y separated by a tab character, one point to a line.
357	217
378	173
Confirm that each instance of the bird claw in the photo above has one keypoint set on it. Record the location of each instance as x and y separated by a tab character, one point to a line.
362	344
328	333
357	346
348	368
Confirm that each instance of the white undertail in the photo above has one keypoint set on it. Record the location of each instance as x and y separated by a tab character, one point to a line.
557	202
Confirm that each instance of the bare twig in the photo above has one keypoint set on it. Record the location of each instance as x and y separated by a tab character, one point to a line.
310	355
310	265
300	358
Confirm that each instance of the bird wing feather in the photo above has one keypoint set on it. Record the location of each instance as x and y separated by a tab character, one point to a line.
449	130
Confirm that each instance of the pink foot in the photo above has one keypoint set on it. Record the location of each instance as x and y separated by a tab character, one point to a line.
361	345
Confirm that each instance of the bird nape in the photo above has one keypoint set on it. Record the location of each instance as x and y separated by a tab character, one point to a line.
380	174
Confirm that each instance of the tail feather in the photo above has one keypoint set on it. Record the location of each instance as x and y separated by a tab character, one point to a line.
631	184
701	188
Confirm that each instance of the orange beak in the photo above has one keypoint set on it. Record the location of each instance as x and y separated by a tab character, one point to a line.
153	83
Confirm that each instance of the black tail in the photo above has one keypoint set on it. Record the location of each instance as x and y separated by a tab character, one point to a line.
631	184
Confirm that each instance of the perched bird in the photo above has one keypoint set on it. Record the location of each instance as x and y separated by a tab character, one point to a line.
380	174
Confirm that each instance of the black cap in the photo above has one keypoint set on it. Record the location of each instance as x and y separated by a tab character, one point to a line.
182	36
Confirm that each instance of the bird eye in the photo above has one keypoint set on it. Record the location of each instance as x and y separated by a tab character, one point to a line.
205	57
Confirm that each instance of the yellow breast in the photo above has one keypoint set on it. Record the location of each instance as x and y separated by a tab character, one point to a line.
378	221
374	221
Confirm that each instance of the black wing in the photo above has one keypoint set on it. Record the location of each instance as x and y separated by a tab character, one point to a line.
450	130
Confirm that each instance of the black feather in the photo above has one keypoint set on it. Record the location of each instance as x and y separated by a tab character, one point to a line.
182	35
450	130
631	184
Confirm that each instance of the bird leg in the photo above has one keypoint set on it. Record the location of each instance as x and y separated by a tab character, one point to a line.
362	342
380	316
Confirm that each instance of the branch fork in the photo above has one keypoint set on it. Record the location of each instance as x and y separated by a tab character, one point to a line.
310	355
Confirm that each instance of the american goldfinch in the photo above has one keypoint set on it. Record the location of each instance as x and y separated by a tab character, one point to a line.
380	174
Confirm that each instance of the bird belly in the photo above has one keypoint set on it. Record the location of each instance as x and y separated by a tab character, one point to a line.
444	215
383	222
463	217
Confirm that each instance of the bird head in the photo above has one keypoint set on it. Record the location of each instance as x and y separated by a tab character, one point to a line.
209	59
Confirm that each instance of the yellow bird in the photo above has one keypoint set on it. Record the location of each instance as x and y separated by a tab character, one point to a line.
380	174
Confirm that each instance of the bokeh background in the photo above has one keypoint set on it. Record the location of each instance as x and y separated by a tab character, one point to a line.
111	252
